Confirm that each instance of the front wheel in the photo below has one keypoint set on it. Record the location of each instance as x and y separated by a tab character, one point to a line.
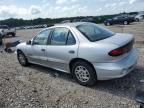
22	58
125	22
84	73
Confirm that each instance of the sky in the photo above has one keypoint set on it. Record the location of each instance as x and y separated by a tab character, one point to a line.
31	9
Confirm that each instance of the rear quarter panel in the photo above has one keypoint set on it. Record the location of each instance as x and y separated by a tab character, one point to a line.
98	52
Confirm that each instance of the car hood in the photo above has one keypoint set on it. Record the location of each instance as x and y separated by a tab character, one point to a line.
119	39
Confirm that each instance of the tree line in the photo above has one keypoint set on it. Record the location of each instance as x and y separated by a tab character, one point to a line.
11	22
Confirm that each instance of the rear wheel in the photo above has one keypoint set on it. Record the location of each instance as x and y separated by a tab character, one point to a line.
137	20
125	22
13	34
22	59
84	73
141	105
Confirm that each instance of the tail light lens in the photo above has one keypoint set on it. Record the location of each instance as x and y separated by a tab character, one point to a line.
124	49
116	52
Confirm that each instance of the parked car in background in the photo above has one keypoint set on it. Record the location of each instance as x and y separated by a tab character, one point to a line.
76	20
65	21
87	20
87	51
122	19
5	30
139	17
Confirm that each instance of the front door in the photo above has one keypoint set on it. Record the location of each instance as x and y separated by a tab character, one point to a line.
37	51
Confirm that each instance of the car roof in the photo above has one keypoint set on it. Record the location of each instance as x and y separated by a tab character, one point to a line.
75	24
71	24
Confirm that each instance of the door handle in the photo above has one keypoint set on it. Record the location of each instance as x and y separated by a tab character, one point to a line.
43	50
71	52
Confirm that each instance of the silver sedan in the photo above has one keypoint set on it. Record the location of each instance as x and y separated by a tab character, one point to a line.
87	51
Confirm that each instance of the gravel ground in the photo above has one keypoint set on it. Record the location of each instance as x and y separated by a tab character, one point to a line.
40	87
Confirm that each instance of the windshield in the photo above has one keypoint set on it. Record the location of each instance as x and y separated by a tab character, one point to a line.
93	32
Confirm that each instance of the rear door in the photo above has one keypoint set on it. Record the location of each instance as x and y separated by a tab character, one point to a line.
117	20
61	49
120	20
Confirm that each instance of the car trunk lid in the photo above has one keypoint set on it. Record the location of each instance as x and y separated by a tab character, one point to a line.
119	39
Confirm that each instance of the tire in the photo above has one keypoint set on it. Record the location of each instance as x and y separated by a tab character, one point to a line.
8	50
125	22
22	58
88	71
137	20
107	24
13	34
141	105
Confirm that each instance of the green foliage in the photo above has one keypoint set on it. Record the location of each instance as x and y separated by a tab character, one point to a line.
20	22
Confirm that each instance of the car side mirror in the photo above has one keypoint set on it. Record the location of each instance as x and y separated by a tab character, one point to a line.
29	42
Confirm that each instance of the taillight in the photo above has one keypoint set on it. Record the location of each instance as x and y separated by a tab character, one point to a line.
117	52
124	49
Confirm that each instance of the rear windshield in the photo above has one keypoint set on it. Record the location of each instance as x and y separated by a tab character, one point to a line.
93	32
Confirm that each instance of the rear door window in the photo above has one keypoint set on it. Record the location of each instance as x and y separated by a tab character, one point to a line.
70	39
59	36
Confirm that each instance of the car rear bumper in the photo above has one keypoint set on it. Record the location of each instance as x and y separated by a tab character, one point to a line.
106	71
